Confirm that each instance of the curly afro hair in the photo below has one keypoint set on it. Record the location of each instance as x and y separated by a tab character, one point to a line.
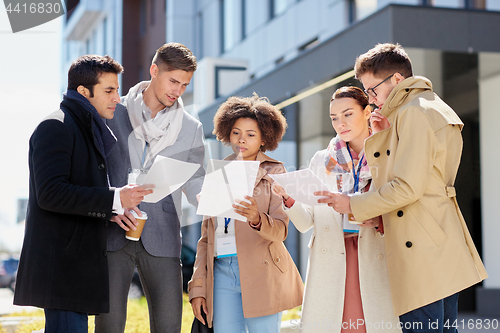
272	124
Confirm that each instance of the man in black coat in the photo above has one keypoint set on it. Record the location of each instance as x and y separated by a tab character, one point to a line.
63	266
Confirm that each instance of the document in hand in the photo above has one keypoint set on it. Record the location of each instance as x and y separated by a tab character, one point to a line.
167	174
226	181
300	185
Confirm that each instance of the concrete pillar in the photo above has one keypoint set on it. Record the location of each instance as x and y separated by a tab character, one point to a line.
488	297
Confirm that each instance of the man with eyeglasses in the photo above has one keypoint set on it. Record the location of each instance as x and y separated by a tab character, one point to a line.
414	157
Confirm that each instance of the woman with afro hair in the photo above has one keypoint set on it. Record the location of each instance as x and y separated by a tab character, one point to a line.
247	291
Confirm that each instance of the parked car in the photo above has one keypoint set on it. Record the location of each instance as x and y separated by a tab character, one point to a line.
188	256
8	271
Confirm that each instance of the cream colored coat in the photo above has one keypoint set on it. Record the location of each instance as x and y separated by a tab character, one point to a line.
325	281
270	281
430	254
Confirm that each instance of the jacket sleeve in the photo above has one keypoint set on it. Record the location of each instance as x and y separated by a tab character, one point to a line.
301	215
413	164
274	223
196	155
52	147
197	286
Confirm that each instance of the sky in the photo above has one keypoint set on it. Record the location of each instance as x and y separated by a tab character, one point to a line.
29	90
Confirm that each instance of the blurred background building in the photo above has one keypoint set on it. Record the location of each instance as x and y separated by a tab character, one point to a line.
284	48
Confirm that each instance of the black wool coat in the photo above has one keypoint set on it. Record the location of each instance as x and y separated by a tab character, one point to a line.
63	261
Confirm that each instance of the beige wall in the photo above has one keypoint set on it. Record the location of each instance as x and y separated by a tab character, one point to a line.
489	120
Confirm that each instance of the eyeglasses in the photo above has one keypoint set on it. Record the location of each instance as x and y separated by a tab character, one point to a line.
371	91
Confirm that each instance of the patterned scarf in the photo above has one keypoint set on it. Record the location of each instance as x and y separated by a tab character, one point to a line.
339	163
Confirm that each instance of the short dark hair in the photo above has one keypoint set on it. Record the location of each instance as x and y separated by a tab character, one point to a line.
384	60
174	56
272	124
86	70
351	92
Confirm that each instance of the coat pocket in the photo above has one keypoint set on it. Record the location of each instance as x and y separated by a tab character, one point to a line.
428	223
76	237
279	256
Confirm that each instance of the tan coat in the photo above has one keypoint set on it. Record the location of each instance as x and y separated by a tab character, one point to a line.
270	281
430	254
325	282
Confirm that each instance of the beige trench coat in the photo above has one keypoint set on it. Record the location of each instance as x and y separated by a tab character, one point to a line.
270	281
430	254
325	281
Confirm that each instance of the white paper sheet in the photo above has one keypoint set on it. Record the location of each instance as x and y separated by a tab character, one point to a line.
300	185
167	174
226	181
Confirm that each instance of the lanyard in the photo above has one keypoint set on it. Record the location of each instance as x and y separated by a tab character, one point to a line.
144	154
356	174
226	223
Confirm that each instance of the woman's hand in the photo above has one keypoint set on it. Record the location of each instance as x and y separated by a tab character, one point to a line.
378	122
279	191
197	304
248	210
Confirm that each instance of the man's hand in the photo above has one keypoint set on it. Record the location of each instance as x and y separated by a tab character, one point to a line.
378	122
127	221
197	304
132	195
339	202
372	223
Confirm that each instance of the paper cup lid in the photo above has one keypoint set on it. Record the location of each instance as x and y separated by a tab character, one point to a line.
144	215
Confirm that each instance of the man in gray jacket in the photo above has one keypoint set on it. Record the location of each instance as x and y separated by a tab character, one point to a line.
151	121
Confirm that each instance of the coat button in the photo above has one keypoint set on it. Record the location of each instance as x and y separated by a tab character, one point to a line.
98	214
277	260
94	214
105	253
323	250
400	213
408	244
388	152
377	154
89	213
103	215
265	263
326	228
380	257
101	166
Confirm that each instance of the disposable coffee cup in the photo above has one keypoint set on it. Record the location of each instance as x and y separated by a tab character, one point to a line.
134	235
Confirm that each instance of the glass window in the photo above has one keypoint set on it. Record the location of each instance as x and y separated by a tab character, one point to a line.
278	7
105	36
231	23
152	3
142	18
364	8
475	4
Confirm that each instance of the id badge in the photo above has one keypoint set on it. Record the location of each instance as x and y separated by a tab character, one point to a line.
349	222
350	225
226	246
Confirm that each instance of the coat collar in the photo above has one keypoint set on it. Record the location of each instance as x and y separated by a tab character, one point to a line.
404	92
